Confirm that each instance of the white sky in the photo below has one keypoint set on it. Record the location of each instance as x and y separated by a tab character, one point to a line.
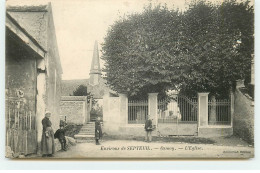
79	23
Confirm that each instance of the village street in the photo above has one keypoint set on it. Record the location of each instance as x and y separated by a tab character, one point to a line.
184	75
157	149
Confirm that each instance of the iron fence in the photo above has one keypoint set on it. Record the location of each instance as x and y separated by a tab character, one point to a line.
177	108
137	111
219	112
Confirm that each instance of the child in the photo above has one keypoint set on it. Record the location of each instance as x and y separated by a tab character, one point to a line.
148	128
60	134
98	131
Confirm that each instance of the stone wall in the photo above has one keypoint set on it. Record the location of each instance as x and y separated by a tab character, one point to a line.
115	117
20	87
74	108
243	121
21	76
54	71
111	114
181	128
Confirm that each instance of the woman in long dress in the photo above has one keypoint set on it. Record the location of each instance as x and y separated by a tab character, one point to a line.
47	143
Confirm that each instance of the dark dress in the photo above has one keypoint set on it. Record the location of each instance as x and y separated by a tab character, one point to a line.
98	130
47	143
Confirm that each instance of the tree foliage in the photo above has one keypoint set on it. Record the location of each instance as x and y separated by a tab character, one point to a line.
204	48
218	43
82	90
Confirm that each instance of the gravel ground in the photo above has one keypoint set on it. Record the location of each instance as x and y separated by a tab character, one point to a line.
174	147
220	141
139	149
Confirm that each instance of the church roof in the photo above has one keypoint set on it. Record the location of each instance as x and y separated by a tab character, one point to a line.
98	91
68	86
97	88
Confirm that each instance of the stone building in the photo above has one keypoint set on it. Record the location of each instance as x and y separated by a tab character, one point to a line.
74	109
33	75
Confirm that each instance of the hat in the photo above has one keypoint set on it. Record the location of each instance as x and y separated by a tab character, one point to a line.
47	112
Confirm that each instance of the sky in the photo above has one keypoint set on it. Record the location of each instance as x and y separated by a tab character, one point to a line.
78	23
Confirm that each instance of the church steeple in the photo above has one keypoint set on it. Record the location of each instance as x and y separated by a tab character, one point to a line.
95	72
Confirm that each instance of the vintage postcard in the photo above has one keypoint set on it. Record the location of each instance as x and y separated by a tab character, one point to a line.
131	79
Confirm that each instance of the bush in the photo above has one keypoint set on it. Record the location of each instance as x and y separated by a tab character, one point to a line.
72	129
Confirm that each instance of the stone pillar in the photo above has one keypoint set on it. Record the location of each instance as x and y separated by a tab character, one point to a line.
232	100
40	107
41	100
152	107
213	111
106	109
123	109
202	109
84	112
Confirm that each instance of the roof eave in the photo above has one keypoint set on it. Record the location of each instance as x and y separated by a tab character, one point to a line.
24	36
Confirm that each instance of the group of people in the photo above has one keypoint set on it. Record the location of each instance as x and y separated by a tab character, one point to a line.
47	142
48	136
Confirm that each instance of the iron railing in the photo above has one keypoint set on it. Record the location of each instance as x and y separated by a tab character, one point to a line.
137	111
177	108
219	112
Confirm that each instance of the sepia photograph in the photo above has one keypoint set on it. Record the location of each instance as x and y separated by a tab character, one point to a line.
129	79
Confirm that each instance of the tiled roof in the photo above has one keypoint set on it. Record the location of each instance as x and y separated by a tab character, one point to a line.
98	91
25	8
37	26
68	86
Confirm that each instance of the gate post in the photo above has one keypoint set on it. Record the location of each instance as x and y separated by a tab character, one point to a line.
232	106
123	109
152	107
202	109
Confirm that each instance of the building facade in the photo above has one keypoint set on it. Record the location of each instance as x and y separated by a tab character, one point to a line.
33	75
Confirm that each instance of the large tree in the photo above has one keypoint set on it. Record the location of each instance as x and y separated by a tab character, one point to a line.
136	52
218	43
203	49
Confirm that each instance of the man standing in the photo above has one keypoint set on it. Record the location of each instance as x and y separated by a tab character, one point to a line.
148	128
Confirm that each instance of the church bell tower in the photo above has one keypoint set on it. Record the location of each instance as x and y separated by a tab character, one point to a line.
95	72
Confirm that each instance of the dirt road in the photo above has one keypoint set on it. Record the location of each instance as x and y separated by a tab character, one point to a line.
139	149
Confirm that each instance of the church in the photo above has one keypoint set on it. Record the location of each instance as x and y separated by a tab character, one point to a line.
95	83
76	109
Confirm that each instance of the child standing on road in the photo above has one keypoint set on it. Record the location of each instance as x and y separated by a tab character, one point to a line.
148	128
98	131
